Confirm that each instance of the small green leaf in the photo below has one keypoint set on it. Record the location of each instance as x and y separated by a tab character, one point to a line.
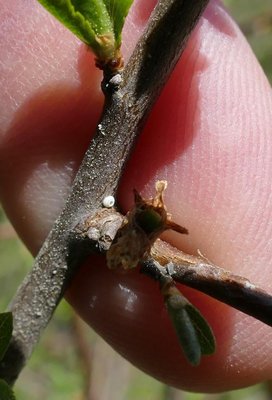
194	333
88	20
6	393
203	330
98	23
118	10
6	326
184	328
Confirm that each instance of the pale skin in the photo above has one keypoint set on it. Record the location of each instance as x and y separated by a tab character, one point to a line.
209	136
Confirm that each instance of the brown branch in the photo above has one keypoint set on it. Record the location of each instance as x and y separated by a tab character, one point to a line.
200	274
125	111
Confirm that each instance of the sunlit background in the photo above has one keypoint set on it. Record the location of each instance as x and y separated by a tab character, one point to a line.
71	361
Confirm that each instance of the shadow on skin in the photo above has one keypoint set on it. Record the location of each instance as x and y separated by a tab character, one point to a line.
51	130
161	140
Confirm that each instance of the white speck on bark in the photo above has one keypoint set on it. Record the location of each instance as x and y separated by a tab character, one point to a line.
108	201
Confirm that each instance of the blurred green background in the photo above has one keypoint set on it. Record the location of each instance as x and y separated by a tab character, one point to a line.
255	20
72	362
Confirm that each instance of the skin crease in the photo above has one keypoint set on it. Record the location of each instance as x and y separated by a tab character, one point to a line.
209	136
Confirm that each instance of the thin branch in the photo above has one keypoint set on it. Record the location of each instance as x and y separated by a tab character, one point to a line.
200	274
125	111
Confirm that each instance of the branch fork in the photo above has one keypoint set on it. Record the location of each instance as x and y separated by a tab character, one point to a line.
85	226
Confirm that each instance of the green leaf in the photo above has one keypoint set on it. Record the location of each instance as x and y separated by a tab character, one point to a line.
6	393
97	23
6	326
203	330
88	20
118	10
194	333
184	328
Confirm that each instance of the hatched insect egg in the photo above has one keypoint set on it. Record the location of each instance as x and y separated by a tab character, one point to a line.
108	201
